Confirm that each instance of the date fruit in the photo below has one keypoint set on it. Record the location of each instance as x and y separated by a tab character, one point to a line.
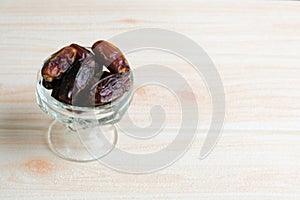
62	60
112	57
83	78
111	88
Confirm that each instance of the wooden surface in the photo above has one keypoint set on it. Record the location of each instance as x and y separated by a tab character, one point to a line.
256	49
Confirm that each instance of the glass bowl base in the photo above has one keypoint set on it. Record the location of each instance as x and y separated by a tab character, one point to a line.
81	144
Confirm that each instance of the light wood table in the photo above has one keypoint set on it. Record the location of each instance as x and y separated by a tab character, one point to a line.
255	47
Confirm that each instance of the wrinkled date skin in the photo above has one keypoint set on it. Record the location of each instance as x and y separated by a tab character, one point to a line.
64	91
77	77
76	82
89	73
61	61
111	56
111	88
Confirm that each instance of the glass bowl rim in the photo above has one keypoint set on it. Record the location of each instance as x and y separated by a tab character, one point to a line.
42	91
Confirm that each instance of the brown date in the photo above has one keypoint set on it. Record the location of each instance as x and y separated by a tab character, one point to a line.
111	56
89	71
64	91
76	83
62	60
76	76
110	88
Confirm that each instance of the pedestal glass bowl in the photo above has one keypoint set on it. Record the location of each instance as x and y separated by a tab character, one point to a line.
82	133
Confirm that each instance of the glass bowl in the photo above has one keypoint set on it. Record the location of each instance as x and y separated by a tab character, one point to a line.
82	133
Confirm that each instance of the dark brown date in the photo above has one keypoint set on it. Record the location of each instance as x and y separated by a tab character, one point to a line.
89	73
64	91
111	56
76	83
62	60
111	88
76	76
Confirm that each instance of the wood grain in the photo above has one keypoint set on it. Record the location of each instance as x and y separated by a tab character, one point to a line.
255	47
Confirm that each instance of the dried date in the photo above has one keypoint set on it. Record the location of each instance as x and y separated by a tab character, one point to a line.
64	91
86	74
62	60
76	83
76	76
111	56
111	88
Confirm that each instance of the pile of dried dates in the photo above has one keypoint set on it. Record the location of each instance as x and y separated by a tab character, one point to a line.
80	77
